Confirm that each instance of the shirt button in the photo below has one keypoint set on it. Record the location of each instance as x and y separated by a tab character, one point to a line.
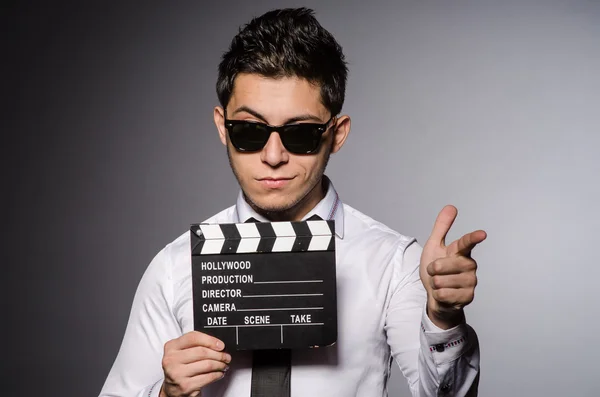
439	348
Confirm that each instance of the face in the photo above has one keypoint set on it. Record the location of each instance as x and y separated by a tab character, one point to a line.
279	184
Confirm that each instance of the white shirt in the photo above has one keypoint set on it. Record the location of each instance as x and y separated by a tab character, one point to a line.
381	315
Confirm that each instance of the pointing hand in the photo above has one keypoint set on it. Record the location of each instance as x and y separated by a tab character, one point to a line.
448	272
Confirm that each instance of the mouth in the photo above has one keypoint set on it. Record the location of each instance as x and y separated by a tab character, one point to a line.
274	183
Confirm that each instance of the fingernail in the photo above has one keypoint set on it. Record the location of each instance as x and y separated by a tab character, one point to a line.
225	369
220	345
227	358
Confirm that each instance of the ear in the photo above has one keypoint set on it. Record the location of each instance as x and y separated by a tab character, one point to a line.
340	132
219	116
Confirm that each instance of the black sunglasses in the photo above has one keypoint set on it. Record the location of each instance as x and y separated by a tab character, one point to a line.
297	138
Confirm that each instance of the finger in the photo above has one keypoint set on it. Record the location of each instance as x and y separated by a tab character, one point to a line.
442	225
203	367
463	280
194	354
194	339
466	243
451	265
455	297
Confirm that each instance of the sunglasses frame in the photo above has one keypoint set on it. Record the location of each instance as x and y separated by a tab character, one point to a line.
319	128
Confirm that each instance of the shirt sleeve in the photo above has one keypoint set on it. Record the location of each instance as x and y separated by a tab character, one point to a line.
435	362
137	369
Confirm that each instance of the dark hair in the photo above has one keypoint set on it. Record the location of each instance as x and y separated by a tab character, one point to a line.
287	42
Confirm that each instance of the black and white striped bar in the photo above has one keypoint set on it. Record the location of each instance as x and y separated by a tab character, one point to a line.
316	235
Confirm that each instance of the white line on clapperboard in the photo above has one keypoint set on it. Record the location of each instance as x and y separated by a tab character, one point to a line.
288	282
261	325
279	308
268	296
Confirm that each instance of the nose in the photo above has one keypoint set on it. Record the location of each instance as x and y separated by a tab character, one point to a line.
274	153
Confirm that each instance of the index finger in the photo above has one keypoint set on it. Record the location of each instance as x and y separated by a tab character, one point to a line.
197	338
466	243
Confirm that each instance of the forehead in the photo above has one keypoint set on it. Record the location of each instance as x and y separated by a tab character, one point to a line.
276	98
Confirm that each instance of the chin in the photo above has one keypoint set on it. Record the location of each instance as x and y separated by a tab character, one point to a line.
273	205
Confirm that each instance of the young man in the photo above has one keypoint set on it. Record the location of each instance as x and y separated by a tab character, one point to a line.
395	299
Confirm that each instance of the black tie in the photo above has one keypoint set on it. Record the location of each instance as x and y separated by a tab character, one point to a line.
271	370
271	373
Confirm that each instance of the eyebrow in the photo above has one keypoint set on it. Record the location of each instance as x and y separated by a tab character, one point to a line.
295	119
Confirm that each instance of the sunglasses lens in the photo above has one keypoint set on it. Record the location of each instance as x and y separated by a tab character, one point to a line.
301	138
248	136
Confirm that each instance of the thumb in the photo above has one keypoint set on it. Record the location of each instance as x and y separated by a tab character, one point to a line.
442	225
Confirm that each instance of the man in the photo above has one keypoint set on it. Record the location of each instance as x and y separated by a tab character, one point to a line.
396	300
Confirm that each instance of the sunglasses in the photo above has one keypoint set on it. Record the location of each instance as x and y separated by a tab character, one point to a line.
297	138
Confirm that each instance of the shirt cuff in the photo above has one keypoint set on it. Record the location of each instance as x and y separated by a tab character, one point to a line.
154	390
444	345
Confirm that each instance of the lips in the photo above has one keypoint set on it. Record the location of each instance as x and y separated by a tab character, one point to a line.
274	183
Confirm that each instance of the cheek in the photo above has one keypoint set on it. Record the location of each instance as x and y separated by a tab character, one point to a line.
306	167
242	164
310	165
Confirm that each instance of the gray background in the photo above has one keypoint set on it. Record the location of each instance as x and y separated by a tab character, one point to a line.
110	152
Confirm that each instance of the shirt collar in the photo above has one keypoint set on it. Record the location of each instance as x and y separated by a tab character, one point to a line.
329	208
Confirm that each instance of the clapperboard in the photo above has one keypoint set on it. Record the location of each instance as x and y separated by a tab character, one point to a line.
268	285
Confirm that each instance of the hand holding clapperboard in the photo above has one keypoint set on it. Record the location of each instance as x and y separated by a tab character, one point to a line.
269	285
